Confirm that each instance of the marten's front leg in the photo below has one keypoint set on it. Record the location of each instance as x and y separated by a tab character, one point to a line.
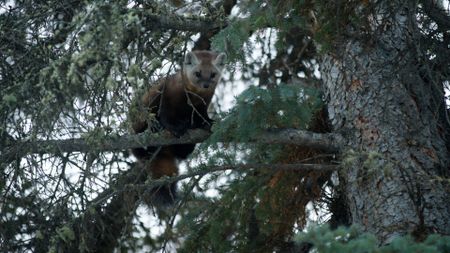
202	120
176	127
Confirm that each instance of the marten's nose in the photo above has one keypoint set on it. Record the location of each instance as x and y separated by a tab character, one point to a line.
206	85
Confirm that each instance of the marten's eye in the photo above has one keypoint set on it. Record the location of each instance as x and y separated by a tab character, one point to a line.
198	74
213	75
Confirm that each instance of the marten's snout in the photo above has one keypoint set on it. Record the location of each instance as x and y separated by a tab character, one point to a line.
205	84
205	78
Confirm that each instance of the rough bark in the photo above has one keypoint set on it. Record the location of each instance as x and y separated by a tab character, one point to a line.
380	103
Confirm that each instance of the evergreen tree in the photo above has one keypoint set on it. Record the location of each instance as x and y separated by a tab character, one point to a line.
343	121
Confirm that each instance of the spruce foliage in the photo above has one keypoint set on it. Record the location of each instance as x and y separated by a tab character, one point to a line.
71	69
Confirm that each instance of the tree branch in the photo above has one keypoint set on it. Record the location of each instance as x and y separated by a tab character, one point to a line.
202	171
327	142
108	213
437	13
204	41
152	21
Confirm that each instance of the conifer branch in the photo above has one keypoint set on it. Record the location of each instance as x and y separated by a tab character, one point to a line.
152	21
327	142
236	167
437	13
305	167
120	199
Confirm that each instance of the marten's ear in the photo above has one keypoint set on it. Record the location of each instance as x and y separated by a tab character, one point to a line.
220	60
190	59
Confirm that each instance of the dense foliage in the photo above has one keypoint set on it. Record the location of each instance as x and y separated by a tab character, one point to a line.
352	239
70	69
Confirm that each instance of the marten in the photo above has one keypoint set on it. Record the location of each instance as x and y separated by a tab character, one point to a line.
178	102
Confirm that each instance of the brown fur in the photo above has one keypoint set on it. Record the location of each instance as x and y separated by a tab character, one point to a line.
178	102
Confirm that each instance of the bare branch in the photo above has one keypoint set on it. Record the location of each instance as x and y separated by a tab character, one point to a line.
327	142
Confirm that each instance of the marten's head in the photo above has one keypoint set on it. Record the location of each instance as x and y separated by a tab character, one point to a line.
203	69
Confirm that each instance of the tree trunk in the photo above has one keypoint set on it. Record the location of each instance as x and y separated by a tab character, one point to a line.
396	152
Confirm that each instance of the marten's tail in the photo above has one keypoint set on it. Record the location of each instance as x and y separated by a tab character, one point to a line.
162	165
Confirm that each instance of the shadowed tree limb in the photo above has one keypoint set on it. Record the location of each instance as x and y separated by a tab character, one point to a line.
437	13
323	141
204	41
152	21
